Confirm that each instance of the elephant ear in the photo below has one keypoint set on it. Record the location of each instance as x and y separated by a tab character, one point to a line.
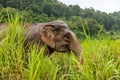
47	35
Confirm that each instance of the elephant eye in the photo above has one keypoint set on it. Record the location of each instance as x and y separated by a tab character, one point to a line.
65	46
66	39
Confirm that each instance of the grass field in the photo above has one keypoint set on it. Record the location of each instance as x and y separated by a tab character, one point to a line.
101	60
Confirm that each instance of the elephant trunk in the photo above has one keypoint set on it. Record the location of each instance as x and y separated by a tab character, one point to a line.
76	48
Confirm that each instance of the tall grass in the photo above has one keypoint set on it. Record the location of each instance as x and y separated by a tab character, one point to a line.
101	59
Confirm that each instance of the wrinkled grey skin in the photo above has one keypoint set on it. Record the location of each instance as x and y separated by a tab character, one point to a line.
55	35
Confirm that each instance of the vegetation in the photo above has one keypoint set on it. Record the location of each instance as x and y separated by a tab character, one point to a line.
101	59
101	55
48	10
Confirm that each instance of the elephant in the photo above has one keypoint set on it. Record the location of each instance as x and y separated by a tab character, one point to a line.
56	35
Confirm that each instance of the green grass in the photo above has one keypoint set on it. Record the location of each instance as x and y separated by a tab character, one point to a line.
101	60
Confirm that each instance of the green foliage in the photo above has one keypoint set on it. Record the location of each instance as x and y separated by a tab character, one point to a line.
101	58
1	6
48	10
85	27
101	61
5	12
11	50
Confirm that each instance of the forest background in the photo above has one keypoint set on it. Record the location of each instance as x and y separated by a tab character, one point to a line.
95	22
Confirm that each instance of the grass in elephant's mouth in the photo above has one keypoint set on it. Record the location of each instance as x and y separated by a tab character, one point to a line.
101	61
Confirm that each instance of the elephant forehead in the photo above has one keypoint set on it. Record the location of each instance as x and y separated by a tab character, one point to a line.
61	30
58	37
58	24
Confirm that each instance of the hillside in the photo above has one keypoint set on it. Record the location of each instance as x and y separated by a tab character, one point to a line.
73	15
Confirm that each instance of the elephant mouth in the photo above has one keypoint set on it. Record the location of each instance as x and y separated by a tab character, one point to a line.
62	48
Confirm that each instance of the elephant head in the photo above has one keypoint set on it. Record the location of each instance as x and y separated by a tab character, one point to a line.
58	37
